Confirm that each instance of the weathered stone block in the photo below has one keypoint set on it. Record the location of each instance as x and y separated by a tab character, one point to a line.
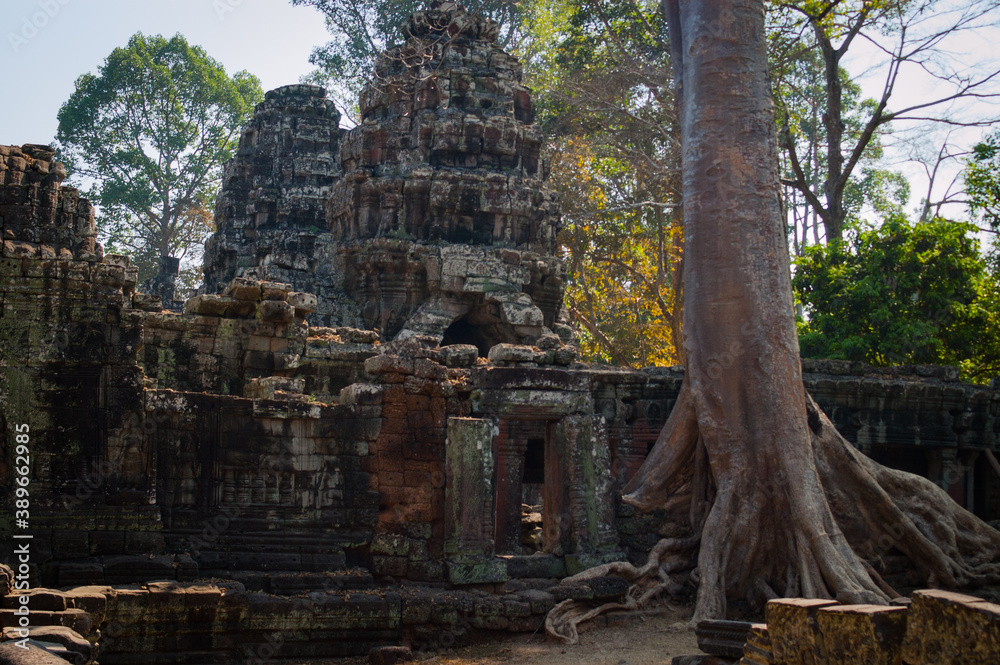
77	620
536	566
795	635
274	290
757	650
93	600
276	310
357	336
147	302
265	388
389	544
388	363
475	570
428	369
207	305
565	355
304	303
459	355
390	655
66	637
38	599
244	289
951	628
540	601
870	634
12	654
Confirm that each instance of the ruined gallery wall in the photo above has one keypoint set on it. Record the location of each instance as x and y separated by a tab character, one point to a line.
234	411
920	419
68	368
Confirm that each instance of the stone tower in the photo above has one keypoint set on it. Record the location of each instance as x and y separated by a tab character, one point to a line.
270	222
443	225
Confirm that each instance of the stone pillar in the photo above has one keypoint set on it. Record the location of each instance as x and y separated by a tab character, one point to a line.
557	522
510	473
468	546
164	283
969	458
588	490
953	475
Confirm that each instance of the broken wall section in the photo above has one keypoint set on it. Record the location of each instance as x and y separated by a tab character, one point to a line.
254	330
39	218
258	488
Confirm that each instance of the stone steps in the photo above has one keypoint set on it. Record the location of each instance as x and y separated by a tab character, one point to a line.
57	626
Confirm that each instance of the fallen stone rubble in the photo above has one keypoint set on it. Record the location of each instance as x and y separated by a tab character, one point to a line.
219	620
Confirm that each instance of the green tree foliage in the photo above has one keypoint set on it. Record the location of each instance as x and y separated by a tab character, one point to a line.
901	294
149	133
982	184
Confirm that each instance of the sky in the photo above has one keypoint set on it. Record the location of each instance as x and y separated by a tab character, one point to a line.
912	147
46	44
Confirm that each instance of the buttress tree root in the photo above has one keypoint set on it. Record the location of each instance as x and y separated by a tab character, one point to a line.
809	527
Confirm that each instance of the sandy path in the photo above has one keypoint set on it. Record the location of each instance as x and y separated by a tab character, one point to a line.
638	640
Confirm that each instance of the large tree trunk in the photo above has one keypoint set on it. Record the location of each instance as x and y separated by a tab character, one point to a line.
783	504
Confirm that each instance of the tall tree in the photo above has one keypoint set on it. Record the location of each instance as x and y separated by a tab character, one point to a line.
771	490
151	131
800	92
908	36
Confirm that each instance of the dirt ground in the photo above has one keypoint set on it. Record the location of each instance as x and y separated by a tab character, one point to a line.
639	640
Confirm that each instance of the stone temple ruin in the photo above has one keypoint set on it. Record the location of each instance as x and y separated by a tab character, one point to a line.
338	436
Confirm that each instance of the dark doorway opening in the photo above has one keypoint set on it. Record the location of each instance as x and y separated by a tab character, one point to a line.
464	331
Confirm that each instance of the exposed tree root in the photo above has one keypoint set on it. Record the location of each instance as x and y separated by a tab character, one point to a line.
647	583
802	527
670	465
880	509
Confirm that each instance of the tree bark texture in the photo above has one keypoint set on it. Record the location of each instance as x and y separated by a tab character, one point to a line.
783	504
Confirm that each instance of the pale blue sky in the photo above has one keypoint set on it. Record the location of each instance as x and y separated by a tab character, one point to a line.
46	44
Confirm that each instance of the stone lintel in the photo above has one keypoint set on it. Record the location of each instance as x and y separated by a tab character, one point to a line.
531	403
